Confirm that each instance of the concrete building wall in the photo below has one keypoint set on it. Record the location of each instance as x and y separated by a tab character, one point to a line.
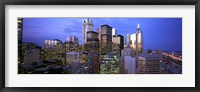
130	65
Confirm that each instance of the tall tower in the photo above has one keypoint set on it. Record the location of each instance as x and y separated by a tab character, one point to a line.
128	38
87	26
139	40
20	51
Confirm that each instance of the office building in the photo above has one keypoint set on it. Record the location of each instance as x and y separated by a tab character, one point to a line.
141	65
106	33
114	32
139	40
50	43
130	65
149	63
128	38
98	30
118	43
53	50
106	39
133	42
20	35
92	41
87	26
74	39
127	57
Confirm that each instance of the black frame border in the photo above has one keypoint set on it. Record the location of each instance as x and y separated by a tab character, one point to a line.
3	3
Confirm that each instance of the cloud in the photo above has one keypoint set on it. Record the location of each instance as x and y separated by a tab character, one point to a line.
72	27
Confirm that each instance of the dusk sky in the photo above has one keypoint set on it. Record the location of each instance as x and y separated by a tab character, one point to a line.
158	33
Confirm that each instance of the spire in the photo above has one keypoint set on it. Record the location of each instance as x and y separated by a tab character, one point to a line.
138	25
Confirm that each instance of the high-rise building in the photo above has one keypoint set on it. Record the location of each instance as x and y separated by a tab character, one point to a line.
106	39
50	43
139	40
128	62
69	46
98	30
87	26
20	51
118	43
74	39
128	38
118	39
133	41
106	33
141	65
92	41
20	36
114	31
130	65
149	63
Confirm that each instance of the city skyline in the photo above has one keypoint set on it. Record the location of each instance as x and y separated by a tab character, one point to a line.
159	33
103	49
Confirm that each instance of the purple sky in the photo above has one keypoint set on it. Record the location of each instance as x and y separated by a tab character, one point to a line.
158	33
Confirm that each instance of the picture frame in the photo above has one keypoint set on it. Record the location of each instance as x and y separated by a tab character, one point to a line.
98	2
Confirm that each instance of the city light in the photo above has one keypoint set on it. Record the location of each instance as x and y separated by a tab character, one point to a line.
108	49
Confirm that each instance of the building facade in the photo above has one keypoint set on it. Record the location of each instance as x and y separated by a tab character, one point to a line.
128	38
92	42
118	40
53	50
141	65
50	43
149	63
139	40
106	33
130	65
106	39
114	31
20	35
74	39
87	26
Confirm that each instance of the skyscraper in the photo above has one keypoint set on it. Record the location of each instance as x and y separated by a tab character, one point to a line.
106	39
87	26
118	43
114	31
133	42
139	40
106	33
74	39
148	63
99	34
92	42
128	38
20	52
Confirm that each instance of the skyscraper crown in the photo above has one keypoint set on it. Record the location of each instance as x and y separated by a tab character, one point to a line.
138	25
